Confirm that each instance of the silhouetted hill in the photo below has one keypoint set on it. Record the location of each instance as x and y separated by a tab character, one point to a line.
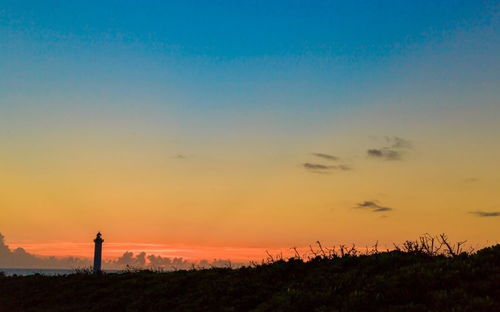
388	281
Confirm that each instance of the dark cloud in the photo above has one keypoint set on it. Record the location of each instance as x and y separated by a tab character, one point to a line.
315	167
180	156
394	150
384	153
486	213
326	156
373	206
375	152
367	204
380	209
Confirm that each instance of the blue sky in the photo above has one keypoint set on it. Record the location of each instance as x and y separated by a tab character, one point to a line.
221	59
356	34
229	29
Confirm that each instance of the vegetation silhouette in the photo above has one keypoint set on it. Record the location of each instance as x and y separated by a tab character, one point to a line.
427	274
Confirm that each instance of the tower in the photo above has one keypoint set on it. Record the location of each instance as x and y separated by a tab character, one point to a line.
98	253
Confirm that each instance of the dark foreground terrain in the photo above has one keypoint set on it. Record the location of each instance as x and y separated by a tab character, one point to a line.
402	280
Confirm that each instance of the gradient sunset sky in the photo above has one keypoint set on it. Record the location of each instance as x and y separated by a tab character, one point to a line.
232	127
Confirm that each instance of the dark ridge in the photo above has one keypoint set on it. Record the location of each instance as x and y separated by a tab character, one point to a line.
410	278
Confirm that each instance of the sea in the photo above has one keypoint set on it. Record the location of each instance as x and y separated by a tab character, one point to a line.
49	272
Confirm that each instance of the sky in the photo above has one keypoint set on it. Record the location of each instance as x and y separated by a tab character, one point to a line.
221	129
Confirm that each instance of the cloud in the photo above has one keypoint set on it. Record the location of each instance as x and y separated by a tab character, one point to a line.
343	167
218	263
20	258
380	209
165	263
486	213
373	206
180	156
394	151
366	204
384	153
128	259
326	156
315	167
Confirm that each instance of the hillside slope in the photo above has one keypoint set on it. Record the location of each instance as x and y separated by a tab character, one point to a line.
388	281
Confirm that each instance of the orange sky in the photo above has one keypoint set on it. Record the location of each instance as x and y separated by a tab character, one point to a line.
200	206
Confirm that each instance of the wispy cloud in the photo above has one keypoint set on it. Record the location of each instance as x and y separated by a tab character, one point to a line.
180	156
486	214
314	166
384	153
373	206
394	150
326	156
320	168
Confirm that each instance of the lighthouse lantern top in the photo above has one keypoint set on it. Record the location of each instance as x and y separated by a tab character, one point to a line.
98	238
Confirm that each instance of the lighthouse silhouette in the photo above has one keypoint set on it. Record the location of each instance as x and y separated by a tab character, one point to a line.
98	253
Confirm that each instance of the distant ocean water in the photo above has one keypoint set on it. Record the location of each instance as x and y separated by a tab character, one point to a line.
51	272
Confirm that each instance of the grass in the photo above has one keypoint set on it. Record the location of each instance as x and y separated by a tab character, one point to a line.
413	277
